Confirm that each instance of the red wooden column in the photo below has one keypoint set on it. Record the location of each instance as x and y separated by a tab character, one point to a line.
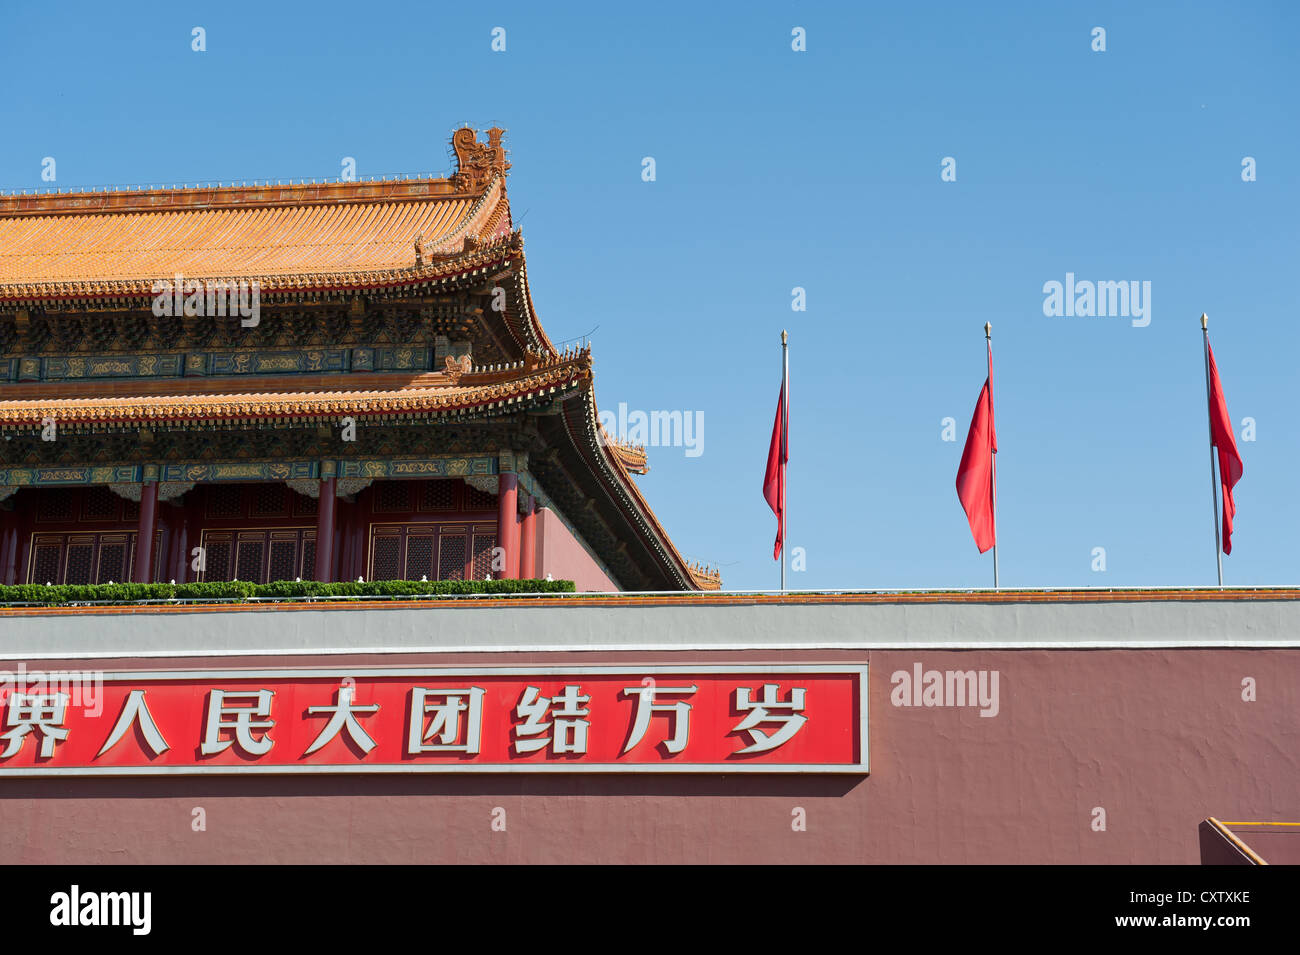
325	529
145	532
345	519
178	566
26	516
356	538
508	524
8	545
194	503
528	541
338	569
169	516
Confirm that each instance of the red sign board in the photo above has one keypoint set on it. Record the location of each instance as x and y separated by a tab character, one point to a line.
802	719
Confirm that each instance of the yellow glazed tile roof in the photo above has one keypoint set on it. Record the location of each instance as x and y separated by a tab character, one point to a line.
121	243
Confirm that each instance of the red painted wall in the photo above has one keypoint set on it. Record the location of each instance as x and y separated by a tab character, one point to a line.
1159	739
562	556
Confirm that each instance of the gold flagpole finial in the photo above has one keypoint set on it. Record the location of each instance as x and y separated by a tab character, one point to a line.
1205	322
783	336
988	329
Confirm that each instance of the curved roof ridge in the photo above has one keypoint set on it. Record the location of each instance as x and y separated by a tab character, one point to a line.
241	195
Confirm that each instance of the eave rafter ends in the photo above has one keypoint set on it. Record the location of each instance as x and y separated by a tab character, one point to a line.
481	390
632	457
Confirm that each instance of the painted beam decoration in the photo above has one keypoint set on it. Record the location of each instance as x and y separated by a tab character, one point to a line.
785	719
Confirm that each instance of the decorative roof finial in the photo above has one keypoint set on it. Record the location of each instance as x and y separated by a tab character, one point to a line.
478	163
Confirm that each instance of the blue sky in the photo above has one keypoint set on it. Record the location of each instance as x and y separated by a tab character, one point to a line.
818	169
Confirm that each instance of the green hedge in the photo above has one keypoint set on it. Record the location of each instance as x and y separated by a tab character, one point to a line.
242	590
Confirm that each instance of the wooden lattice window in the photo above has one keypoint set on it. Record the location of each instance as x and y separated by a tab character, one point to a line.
269	501
86	558
225	501
436	551
476	500
419	556
45	562
112	559
98	503
81	560
260	556
484	544
284	556
307	569
54	504
438	495
386	557
392	497
249	551
216	556
451	557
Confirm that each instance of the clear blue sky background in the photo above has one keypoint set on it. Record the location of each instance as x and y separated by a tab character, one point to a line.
818	169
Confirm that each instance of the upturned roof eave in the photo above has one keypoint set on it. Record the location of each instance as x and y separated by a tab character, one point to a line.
603	461
487	390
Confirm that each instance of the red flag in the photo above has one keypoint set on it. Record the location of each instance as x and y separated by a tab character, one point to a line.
774	479
1222	438
975	475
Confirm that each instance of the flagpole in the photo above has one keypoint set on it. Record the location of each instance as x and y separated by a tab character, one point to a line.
993	458
785	438
1209	412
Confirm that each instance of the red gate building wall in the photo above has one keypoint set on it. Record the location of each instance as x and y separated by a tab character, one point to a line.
1106	755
